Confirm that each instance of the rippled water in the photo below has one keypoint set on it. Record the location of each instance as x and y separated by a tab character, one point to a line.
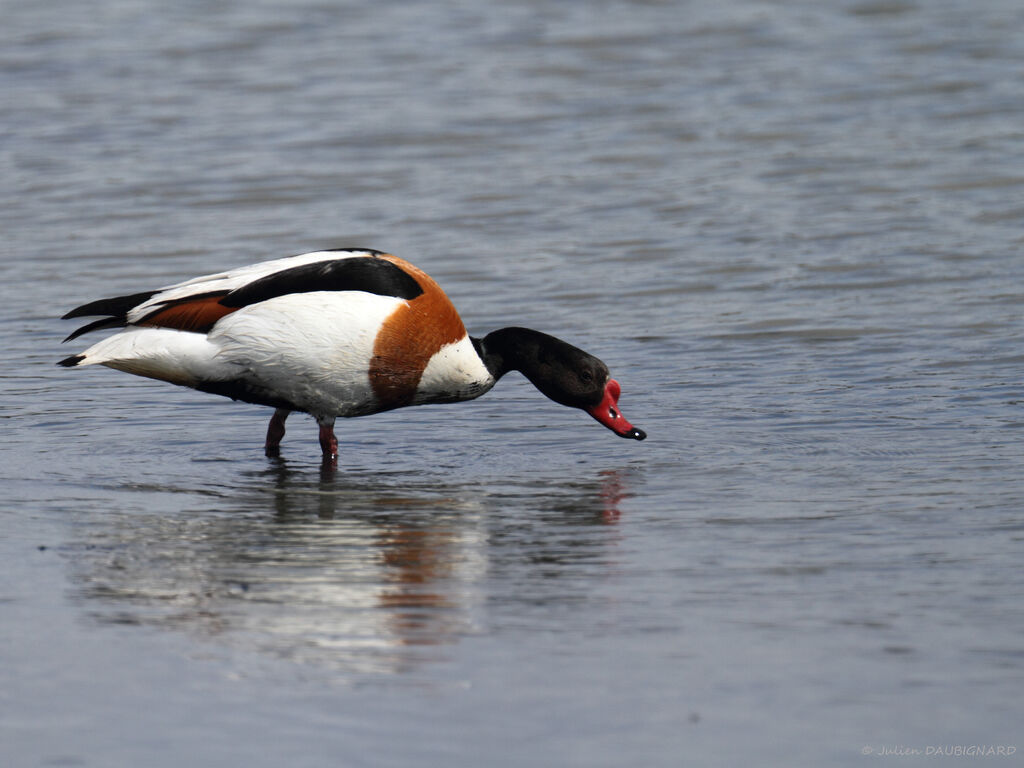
790	228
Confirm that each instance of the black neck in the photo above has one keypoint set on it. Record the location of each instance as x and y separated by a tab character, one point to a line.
511	349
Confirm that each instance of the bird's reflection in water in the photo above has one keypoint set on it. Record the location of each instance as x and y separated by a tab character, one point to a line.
368	573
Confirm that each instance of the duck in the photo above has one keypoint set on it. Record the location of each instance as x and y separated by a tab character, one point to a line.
335	334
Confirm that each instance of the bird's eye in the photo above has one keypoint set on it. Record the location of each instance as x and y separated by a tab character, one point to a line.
587	377
613	413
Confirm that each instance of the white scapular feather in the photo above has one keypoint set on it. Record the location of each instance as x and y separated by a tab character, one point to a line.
234	278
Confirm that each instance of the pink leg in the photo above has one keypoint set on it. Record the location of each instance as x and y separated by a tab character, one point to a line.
276	431
328	442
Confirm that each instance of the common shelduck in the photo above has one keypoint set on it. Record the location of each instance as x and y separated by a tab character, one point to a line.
333	333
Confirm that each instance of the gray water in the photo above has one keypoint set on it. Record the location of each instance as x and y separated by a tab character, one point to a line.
792	230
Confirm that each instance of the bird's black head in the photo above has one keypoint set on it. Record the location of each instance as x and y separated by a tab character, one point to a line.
564	373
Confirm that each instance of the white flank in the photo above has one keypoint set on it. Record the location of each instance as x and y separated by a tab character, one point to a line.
312	349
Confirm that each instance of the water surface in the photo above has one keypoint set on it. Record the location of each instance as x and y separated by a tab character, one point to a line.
789	229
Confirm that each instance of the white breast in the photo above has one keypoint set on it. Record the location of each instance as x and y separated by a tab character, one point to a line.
454	373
